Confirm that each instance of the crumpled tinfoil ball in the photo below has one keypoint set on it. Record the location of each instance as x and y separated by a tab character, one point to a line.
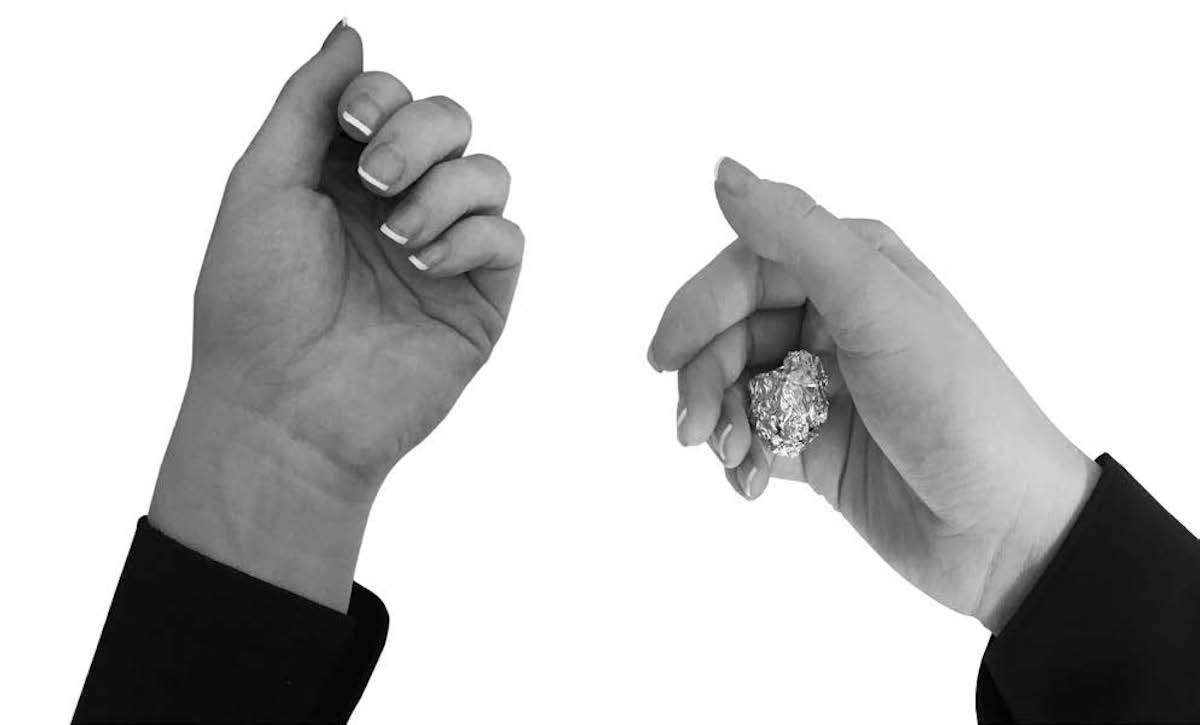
788	404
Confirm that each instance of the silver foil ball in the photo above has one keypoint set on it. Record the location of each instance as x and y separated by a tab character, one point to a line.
789	404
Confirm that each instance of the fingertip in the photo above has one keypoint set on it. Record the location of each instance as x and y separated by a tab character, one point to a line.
737	443
344	38
370	179
731	475
650	358
755	482
337	28
733	178
357	123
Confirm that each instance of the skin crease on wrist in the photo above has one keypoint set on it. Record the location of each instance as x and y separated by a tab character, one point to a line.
933	451
359	274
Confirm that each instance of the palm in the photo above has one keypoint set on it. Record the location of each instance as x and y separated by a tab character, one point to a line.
352	349
925	536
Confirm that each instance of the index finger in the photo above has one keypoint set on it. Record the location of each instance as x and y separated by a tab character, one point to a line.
730	288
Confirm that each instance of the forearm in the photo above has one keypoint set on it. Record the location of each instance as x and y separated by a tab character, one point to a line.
241	490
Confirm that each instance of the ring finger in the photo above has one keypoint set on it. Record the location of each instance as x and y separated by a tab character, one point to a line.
451	190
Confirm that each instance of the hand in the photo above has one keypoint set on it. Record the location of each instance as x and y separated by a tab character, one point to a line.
933	450
323	351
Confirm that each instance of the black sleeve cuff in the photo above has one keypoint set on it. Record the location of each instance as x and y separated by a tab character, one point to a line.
189	639
1111	630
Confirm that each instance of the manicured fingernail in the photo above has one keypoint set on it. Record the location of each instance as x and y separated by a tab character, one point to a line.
341	25
721	440
333	33
393	235
679	422
382	167
362	113
430	256
734	177
717	168
404	225
367	177
715	449
750	486
650	359
363	128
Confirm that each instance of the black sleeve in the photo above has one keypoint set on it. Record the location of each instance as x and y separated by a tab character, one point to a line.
1111	630
191	640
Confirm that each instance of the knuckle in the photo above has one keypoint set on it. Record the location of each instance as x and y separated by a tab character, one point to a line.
453	108
874	232
517	234
493	168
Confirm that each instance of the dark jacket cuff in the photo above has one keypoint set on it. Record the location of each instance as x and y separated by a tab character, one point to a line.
190	639
1111	630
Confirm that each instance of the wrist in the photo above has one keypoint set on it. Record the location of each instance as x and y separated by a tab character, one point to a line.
1048	513
242	490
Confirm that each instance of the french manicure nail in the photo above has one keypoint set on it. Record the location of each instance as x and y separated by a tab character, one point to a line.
734	177
416	262
752	491
381	166
393	235
372	180
717	168
721	440
715	449
363	128
336	29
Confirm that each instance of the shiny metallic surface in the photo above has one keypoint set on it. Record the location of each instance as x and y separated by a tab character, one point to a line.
789	404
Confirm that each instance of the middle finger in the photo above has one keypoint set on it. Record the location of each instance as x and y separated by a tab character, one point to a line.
417	136
729	288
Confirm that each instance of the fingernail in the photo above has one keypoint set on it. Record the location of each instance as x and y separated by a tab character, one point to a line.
734	483
679	423
429	257
721	440
404	224
333	33
367	177
751	486
650	359
363	128
382	167
734	177
393	235
717	167
716	449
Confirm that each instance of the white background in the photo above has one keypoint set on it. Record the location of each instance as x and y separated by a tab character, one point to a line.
550	554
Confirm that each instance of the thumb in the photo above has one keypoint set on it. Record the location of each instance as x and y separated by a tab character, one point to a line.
867	302
290	147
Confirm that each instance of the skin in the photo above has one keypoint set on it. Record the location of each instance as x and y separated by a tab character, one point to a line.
933	450
322	353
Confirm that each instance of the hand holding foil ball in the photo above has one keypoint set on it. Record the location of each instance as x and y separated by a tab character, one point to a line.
929	446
